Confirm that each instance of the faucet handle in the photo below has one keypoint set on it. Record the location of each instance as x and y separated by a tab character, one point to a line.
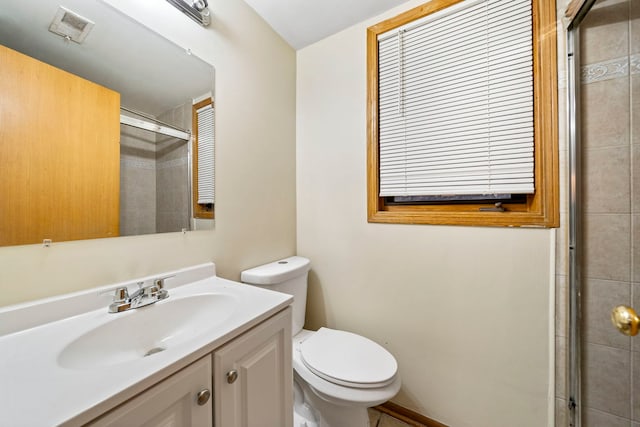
159	285
159	282
120	294
121	301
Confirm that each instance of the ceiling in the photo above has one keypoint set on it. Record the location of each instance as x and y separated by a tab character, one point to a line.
124	59
303	22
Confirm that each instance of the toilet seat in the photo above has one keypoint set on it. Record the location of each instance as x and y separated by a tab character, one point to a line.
348	359
338	394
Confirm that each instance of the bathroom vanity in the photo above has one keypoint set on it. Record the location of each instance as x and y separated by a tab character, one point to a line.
215	352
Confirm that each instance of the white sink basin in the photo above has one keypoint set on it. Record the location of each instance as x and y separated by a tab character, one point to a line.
88	361
146	331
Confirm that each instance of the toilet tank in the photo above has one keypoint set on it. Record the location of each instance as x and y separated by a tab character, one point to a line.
289	276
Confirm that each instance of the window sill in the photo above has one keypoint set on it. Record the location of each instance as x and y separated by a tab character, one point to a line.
464	218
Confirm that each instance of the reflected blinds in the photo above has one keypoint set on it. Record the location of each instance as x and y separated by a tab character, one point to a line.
206	188
456	102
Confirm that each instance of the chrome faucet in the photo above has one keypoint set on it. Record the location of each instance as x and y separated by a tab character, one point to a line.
145	295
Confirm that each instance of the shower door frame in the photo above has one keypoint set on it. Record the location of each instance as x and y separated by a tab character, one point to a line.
574	400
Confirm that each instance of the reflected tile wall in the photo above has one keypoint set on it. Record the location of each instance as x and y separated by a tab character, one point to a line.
173	199
137	181
154	178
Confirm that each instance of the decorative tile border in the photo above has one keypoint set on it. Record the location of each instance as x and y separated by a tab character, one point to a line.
181	161
612	69
607	70
128	163
635	63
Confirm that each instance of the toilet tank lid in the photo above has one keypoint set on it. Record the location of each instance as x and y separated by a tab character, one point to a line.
277	271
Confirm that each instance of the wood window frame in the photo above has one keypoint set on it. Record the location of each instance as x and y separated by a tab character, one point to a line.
200	210
540	209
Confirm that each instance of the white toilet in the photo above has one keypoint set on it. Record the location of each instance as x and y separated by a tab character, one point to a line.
337	374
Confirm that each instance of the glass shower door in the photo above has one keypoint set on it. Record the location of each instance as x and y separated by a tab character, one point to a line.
608	214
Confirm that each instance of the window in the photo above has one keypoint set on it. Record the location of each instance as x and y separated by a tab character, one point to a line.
203	159
462	125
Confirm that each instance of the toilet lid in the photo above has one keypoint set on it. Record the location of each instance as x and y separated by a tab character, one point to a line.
348	359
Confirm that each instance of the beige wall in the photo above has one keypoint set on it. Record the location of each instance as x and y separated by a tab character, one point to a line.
464	310
255	176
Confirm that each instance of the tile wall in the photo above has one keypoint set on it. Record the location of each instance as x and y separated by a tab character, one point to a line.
172	174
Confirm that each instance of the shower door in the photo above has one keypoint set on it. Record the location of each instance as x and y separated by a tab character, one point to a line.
604	374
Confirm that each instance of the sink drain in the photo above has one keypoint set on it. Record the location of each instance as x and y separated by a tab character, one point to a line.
154	351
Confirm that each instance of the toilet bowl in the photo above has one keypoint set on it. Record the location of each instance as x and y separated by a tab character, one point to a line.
337	374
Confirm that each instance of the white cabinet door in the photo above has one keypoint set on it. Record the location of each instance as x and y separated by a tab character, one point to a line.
170	403
253	377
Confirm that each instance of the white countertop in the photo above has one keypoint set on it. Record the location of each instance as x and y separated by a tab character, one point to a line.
36	391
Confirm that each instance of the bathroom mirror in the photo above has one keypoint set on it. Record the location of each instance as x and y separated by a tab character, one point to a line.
152	75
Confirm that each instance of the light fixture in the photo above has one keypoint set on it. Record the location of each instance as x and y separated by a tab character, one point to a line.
198	10
70	25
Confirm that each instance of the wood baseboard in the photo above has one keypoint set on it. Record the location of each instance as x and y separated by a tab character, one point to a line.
407	415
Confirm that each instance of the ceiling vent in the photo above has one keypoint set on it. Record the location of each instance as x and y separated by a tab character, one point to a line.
198	10
70	25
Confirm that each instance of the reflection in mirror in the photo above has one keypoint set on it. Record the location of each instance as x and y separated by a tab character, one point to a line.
158	84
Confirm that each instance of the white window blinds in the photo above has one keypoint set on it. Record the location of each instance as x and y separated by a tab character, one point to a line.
456	102
206	188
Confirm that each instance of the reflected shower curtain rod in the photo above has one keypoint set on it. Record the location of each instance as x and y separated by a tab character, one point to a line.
157	127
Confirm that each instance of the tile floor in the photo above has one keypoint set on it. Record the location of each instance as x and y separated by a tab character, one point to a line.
378	419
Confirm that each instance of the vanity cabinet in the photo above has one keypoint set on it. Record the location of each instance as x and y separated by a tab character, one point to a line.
249	380
179	401
253	377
